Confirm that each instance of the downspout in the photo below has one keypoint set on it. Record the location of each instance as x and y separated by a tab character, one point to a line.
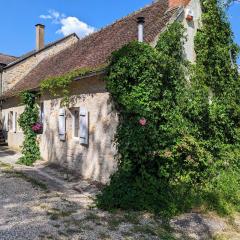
2	65
1	71
1	91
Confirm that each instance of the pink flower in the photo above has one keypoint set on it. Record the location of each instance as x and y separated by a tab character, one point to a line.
142	121
37	127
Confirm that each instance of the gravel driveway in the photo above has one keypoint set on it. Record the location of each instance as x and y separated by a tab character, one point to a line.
30	209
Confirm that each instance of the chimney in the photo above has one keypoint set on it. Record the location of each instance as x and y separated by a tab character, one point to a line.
140	21
177	3
39	36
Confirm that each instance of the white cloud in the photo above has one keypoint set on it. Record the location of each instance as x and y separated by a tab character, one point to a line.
53	15
68	24
45	16
73	24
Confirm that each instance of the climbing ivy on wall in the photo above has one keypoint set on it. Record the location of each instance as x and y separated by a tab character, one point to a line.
153	138
178	132
216	69
59	86
30	148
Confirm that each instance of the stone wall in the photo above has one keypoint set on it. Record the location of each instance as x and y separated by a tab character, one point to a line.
96	160
12	74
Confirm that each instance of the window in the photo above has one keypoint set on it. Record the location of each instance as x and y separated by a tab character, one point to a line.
41	113
75	114
10	121
80	124
15	122
6	121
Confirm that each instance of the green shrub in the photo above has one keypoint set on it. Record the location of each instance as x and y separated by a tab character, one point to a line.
178	134
30	148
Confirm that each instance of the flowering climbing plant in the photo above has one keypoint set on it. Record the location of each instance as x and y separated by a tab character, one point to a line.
37	127
27	121
177	148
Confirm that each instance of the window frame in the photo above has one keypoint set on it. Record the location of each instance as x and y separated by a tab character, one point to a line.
10	121
75	110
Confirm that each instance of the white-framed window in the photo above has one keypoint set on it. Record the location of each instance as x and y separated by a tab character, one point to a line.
62	124
5	121
75	123
80	118
15	123
41	112
10	121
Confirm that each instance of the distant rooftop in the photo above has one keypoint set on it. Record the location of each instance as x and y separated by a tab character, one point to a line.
33	52
6	59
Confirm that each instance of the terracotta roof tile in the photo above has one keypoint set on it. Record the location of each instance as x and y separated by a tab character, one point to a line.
95	50
6	59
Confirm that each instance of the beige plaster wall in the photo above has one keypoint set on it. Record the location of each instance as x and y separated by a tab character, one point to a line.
12	75
191	28
94	161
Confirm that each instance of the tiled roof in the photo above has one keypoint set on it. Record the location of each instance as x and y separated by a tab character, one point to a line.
95	50
6	59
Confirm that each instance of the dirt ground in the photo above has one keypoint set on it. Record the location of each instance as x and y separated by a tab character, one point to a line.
36	203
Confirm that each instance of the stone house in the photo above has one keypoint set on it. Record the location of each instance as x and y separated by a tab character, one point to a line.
81	137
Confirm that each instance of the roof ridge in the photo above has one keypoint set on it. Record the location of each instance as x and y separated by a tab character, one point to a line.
33	52
7	55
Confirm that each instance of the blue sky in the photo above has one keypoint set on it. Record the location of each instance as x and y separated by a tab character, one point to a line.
234	18
63	16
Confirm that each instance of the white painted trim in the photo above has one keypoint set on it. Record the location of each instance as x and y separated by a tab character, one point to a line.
74	122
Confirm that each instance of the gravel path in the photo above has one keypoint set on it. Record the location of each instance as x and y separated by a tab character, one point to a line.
7	155
33	208
19	218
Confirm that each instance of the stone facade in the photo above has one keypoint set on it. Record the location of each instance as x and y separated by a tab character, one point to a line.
95	160
12	74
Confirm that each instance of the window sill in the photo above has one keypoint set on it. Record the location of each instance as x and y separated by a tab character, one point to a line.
75	139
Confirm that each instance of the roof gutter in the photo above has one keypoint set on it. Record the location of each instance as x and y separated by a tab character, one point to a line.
102	71
1	81
92	74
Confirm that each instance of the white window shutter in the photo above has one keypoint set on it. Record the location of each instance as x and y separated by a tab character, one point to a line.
83	125
14	122
62	124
